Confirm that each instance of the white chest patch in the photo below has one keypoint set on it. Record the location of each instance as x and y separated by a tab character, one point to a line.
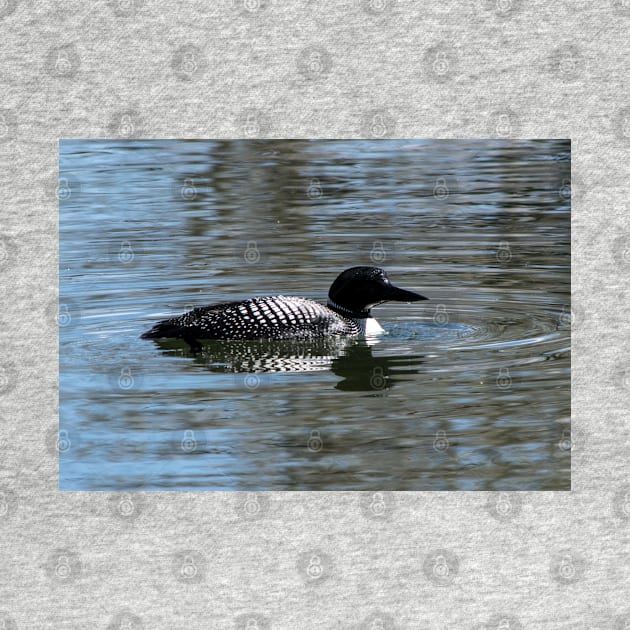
370	326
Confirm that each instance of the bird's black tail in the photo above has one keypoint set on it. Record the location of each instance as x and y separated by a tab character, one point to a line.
172	329
163	329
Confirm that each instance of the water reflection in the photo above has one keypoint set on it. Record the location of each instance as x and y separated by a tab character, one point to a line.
262	356
350	359
360	371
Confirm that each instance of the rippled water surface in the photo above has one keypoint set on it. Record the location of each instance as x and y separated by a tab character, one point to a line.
467	391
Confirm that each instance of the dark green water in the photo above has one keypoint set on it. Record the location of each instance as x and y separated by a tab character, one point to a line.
468	391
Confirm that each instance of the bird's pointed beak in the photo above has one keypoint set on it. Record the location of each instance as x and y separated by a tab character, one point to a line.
394	294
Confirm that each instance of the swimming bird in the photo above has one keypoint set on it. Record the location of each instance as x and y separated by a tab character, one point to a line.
347	313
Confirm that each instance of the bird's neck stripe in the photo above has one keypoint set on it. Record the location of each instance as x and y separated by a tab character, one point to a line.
346	312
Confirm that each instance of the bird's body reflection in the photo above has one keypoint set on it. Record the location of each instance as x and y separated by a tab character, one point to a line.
351	359
291	355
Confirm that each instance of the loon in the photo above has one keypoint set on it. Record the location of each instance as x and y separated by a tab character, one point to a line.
347	313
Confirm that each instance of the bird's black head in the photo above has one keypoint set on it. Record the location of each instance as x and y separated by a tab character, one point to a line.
360	288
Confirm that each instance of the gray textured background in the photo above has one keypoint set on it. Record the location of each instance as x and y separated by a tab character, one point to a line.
314	69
